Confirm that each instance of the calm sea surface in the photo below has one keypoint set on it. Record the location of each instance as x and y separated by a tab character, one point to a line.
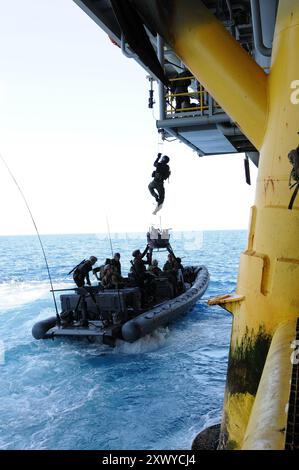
154	394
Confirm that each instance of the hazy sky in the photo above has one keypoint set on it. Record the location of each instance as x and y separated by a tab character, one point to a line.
77	134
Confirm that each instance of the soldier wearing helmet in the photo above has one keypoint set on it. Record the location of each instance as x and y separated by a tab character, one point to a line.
116	263
143	278
156	187
82	270
154	268
138	263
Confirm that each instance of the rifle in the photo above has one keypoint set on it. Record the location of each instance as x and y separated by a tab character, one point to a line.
76	267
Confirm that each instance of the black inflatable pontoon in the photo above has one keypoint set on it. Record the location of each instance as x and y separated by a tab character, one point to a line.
110	314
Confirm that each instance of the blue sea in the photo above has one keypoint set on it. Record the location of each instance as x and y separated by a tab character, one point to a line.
157	393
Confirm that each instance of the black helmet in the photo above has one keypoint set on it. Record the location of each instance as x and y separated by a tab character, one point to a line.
165	159
135	253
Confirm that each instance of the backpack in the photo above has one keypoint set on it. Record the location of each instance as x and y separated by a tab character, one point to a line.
162	171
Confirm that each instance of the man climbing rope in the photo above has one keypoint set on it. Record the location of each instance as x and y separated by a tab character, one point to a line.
156	187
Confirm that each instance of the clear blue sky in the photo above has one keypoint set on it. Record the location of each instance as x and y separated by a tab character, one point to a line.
76	131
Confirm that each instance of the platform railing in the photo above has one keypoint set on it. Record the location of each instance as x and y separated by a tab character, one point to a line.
204	105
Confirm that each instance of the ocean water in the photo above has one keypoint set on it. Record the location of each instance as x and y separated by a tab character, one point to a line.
157	393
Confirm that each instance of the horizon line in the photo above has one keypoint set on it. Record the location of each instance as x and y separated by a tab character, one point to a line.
119	232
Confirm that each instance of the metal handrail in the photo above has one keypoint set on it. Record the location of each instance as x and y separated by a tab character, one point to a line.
170	109
198	94
186	94
191	77
194	108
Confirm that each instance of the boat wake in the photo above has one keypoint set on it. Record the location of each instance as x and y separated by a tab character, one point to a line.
14	294
148	343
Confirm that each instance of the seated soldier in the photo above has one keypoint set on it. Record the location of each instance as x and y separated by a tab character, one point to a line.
170	268
180	275
111	279
101	270
170	264
116	263
154	268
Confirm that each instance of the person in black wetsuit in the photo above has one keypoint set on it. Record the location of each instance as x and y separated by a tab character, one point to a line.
138	265
156	187
81	272
170	269
154	268
143	279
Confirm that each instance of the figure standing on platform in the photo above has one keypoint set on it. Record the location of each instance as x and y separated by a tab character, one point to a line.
156	187
180	88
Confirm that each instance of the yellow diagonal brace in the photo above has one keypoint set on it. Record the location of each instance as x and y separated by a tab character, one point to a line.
216	59
232	77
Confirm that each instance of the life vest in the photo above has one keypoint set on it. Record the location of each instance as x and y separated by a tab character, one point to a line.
162	172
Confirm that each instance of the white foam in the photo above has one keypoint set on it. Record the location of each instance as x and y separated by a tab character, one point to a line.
15	294
211	418
148	343
42	315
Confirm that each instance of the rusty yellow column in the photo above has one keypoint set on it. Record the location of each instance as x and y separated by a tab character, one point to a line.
267	297
269	268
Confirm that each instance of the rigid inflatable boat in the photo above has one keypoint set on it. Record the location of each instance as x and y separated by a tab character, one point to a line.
98	313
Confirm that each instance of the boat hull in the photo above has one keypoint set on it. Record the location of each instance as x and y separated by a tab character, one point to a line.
131	330
168	311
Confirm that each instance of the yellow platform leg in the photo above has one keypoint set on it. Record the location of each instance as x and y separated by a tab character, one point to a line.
266	109
269	269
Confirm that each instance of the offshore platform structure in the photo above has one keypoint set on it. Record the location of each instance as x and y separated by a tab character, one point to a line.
243	58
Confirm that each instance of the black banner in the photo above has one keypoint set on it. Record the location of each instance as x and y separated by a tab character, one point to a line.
137	458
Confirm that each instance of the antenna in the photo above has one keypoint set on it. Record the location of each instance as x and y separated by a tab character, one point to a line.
37	232
109	235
